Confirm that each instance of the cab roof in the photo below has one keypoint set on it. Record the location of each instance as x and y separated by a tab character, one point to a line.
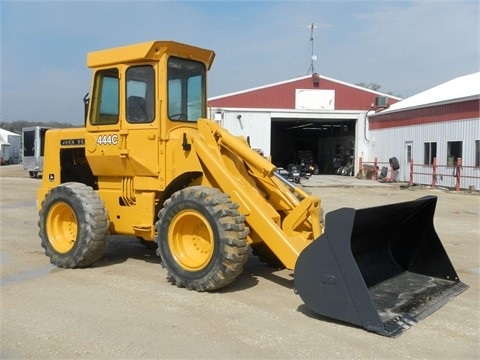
152	50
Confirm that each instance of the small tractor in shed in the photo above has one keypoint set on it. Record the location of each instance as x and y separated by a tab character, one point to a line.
149	164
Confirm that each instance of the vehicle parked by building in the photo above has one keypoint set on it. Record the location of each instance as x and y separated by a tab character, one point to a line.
33	140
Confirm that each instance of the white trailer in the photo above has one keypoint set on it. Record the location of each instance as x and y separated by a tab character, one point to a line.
33	149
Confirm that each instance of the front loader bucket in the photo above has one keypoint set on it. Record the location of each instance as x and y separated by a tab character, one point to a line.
382	268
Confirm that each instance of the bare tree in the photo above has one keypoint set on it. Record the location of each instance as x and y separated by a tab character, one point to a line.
376	87
372	86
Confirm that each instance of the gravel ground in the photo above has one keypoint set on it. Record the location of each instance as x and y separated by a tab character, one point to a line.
122	307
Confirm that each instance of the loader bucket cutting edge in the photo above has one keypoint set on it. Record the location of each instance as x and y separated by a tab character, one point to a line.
381	268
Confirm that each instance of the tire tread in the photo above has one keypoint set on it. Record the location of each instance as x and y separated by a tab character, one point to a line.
93	225
233	237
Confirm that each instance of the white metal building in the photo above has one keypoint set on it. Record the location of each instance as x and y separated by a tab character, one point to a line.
10	144
442	123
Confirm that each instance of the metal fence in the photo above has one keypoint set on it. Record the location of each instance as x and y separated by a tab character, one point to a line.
456	175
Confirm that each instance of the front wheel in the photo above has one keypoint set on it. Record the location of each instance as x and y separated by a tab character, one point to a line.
201	238
74	226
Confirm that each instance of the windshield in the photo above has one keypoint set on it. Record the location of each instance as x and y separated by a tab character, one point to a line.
186	89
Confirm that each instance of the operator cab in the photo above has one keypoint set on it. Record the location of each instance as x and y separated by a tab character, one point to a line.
140	97
186	93
140	94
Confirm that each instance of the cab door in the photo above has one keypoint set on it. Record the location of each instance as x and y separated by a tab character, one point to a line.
123	129
140	125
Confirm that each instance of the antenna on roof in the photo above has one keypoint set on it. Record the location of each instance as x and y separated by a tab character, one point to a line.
312	56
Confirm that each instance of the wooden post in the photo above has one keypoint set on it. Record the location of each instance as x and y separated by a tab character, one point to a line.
411	172
434	172
375	171
457	174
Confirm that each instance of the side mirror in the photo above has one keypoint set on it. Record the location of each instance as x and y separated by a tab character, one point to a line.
86	101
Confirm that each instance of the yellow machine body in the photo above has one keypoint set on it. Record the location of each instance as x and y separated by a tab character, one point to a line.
149	164
135	166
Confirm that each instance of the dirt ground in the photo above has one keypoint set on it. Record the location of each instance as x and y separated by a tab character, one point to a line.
122	307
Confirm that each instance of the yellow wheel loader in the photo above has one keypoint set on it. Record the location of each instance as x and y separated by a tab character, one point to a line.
149	164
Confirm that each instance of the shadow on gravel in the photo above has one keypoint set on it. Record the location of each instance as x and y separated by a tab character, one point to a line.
122	248
255	269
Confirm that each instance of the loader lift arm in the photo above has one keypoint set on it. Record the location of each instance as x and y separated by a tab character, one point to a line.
279	214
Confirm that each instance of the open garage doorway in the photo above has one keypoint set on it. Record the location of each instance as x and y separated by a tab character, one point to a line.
326	139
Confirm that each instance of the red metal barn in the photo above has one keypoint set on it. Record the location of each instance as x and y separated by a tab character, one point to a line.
313	113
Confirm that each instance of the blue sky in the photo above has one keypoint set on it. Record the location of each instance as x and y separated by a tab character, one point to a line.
405	46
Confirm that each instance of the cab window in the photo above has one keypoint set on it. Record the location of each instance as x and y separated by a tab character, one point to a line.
140	92
105	98
186	89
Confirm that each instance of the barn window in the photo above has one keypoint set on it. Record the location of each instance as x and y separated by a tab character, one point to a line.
430	152
454	151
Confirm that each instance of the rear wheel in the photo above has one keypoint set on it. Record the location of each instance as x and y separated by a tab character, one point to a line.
201	238
73	226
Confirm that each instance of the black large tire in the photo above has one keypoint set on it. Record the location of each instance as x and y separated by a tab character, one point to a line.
394	163
201	238
74	226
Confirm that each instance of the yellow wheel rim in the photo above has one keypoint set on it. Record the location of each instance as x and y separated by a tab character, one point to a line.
61	225
191	240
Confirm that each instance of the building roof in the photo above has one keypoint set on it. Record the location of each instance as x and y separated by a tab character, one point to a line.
462	88
4	134
295	80
281	95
